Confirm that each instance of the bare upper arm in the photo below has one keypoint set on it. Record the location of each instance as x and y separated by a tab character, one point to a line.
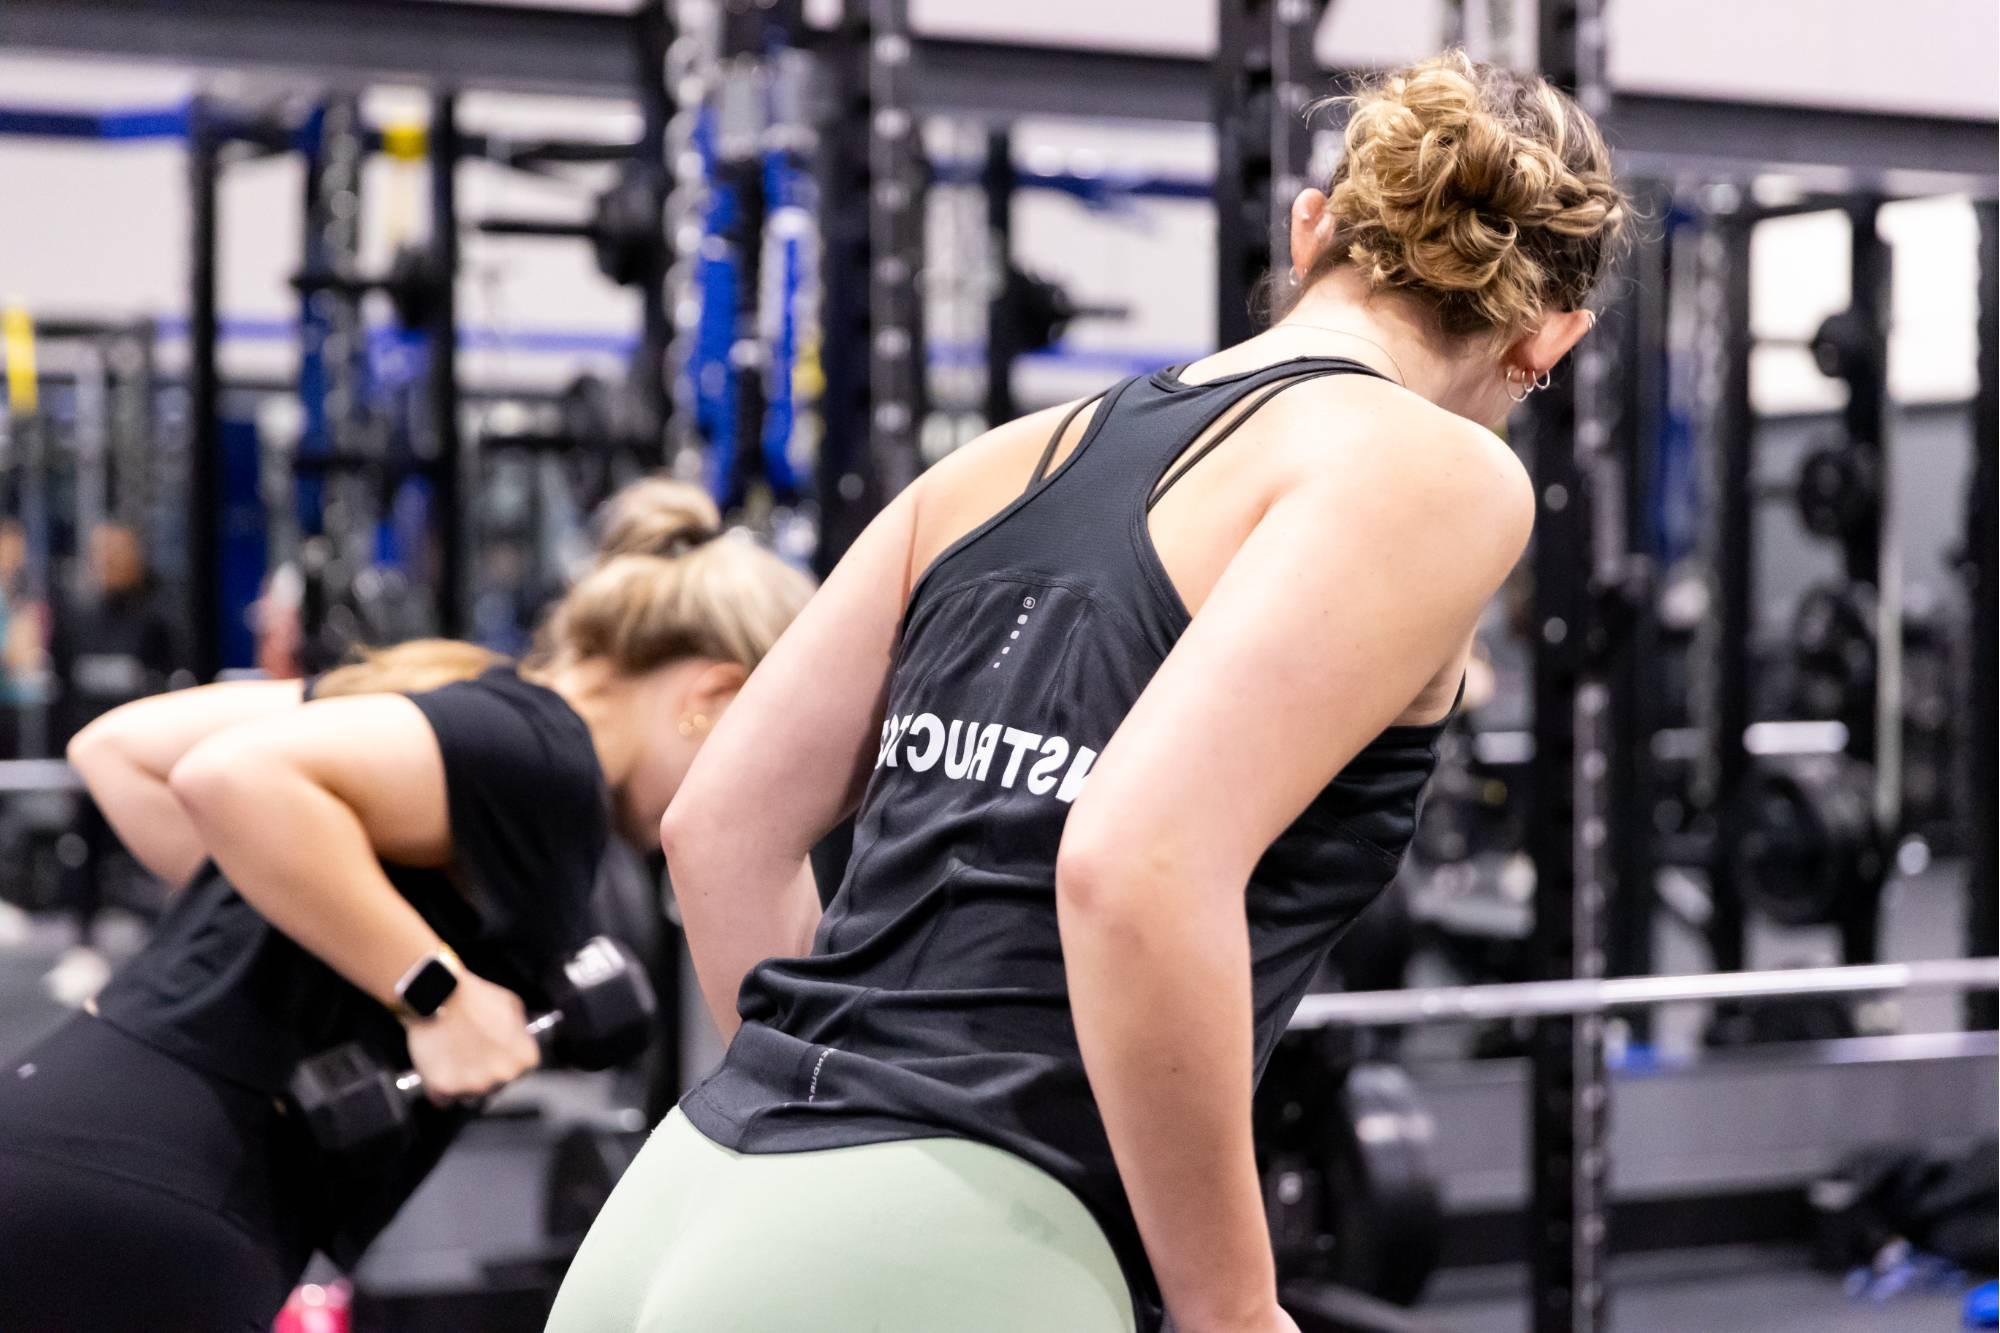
1352	589
797	744
375	753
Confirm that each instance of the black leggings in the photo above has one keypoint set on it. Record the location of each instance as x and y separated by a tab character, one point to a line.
139	1193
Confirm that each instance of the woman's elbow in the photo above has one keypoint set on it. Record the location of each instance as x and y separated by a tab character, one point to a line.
207	779
1097	879
90	747
680	832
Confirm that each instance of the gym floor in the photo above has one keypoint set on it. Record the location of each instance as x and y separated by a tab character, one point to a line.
1699	1291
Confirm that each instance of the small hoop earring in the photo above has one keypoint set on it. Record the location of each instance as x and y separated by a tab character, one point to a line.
691	723
1591	315
1292	275
1518	380
1542	380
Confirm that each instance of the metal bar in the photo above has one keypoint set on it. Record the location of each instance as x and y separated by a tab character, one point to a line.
1578	558
1732	139
33	775
586	52
849	491
896	250
1873	560
442	329
204	411
1638	335
1729	429
999	179
1543	999
653	36
1260	88
529	48
1982	573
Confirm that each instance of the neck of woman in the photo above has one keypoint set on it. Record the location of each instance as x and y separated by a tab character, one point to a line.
1389	333
609	704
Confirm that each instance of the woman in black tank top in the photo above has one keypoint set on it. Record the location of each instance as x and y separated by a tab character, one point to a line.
1135	702
430	816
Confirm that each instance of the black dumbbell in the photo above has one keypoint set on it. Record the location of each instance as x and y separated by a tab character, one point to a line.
605	1017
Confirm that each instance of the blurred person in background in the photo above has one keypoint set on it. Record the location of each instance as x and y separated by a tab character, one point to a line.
118	645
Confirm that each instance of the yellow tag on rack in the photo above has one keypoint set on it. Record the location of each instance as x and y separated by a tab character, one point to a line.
405	141
17	344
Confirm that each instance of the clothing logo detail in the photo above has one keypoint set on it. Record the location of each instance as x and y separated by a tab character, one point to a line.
1028	603
968	751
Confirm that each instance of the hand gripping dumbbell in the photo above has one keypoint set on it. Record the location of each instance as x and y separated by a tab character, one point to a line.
605	1017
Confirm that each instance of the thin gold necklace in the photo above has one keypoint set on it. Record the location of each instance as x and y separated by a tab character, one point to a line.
1402	380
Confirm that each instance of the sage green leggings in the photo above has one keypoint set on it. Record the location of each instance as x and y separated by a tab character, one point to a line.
921	1236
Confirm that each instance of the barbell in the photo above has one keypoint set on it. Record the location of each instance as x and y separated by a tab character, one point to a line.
1550	999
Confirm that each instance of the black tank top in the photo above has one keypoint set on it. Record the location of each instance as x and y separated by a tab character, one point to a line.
934	1001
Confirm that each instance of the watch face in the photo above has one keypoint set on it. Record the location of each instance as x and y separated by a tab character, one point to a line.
430	988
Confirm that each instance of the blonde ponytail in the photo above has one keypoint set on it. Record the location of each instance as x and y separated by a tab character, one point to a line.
408	668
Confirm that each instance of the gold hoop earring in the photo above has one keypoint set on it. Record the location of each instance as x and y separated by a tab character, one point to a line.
693	722
1517	379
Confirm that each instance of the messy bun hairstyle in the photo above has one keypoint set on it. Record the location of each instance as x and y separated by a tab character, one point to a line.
667	583
1485	192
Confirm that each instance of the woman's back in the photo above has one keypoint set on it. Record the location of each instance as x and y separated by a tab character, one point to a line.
935	1000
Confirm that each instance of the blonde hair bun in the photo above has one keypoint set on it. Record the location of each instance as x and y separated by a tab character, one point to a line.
656	516
1486	191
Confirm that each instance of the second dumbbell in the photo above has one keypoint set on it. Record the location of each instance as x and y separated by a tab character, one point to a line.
350	1098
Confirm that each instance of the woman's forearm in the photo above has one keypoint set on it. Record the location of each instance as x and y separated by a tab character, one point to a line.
300	856
738	909
1161	1000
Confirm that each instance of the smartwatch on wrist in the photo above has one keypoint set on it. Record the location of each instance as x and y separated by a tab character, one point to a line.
428	984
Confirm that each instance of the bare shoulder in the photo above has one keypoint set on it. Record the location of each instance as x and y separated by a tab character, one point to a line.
1346	437
973	482
1009	450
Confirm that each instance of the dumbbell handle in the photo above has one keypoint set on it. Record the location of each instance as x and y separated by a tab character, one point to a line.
411	1084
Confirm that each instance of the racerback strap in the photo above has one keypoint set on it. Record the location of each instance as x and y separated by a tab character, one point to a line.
1257	399
1055	440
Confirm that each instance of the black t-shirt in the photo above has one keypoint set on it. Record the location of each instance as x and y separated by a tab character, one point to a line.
112	651
221	989
935	1000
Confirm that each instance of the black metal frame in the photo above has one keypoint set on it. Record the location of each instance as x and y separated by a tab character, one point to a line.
898	179
206	138
653	34
1982	568
1580	563
1867	418
441	335
1637	333
454	43
1730	428
1262	79
1000	181
848	492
